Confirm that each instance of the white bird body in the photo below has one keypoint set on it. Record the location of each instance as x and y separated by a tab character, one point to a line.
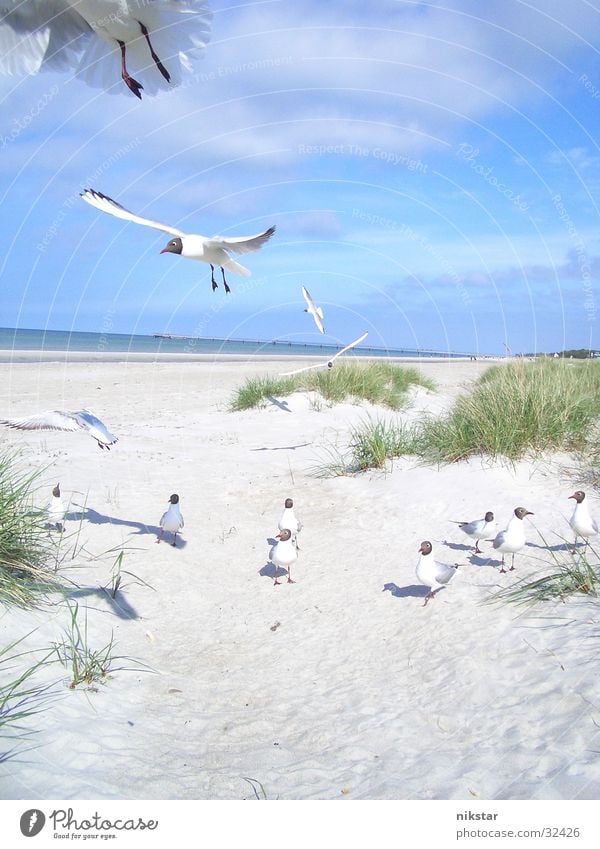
212	250
312	309
171	520
328	363
582	522
512	539
70	421
431	572
56	509
158	38
284	553
290	520
479	528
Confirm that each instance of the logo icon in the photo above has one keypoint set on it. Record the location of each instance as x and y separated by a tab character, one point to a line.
32	822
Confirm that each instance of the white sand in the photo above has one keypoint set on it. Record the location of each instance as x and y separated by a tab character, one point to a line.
339	686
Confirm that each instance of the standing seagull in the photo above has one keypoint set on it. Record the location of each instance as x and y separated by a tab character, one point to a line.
513	538
56	509
581	521
478	528
172	520
316	312
284	554
61	420
328	363
211	250
290	520
157	37
430	572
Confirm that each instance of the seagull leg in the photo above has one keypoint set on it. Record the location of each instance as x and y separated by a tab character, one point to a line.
174	543
575	546
276	582
215	285
157	61
227	289
427	598
503	569
131	84
512	564
477	549
159	537
290	576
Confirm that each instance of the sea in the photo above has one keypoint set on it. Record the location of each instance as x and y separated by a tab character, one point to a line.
23	339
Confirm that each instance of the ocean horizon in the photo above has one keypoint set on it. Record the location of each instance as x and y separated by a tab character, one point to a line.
31	339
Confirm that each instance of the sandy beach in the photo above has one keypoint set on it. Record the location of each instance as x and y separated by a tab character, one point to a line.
340	686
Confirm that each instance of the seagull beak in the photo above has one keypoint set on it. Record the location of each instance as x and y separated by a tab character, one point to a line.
165	251
571	496
278	536
529	513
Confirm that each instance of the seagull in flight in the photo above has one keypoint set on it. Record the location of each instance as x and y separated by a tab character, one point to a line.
213	250
59	420
158	38
316	312
328	363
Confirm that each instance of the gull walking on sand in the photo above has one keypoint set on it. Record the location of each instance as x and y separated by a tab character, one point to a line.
56	509
582	523
60	420
478	528
172	520
212	250
328	363
512	539
158	38
290	520
284	554
431	572
316	312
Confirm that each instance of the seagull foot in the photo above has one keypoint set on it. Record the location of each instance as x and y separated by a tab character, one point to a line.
276	583
502	571
133	85
512	569
290	581
157	61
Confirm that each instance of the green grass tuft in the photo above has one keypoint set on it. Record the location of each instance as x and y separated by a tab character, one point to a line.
377	382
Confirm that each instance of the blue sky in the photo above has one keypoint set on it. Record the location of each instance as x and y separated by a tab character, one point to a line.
432	170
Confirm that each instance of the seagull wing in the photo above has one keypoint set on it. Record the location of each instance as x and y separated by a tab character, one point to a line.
443	572
317	314
240	244
106	204
40	34
309	301
305	368
351	345
50	420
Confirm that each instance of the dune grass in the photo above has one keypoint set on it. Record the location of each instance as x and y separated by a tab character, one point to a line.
512	410
25	545
377	382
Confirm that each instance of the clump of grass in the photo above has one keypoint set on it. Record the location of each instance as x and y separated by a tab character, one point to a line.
377	382
516	408
25	546
374	443
568	578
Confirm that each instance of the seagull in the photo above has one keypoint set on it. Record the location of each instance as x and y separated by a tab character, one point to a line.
56	509
61	420
431	572
513	538
329	363
172	520
478	528
290	520
581	522
316	312
284	554
211	250
157	37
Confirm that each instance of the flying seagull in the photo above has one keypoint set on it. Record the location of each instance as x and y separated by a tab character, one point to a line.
211	250
328	363
316	312
60	420
157	38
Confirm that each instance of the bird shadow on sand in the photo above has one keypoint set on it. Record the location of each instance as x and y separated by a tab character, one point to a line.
167	539
283	405
118	605
458	546
268	571
481	560
411	591
96	518
283	447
